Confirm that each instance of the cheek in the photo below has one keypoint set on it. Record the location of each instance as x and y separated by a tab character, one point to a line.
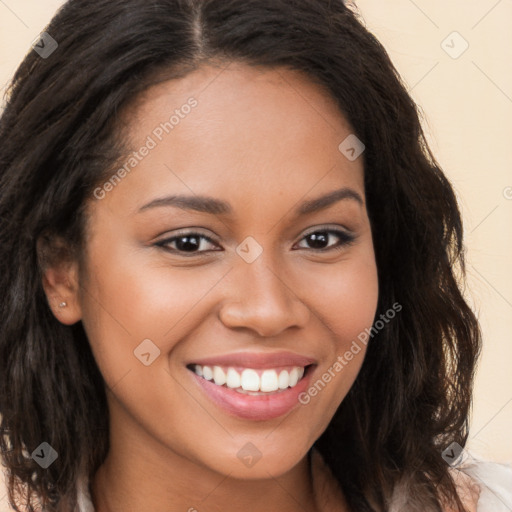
345	298
131	297
345	303
127	303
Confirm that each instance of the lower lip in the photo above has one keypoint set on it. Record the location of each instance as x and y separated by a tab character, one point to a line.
254	407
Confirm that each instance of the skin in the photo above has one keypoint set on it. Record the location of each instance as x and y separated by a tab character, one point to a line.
265	141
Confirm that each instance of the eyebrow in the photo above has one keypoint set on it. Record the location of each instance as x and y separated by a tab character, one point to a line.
206	204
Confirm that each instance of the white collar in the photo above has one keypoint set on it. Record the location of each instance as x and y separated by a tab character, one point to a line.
84	496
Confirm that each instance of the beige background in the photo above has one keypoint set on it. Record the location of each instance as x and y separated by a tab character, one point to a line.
467	105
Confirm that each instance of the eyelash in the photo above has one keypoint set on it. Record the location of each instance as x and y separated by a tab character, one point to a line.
346	239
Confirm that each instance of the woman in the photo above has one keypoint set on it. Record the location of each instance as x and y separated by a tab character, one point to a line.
229	268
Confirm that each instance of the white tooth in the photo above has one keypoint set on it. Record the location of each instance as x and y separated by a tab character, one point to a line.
269	381
250	380
294	377
301	373
232	378
252	393
219	376
283	379
207	373
198	370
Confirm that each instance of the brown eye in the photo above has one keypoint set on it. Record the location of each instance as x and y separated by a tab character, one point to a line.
190	243
319	240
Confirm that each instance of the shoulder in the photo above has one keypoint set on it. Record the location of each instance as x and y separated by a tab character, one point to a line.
4	500
84	498
468	490
484	485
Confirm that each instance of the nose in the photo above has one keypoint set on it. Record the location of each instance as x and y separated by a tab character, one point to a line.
259	299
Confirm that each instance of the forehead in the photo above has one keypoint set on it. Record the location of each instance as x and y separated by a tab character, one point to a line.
236	130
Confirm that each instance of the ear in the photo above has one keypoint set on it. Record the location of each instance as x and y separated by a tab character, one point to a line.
60	280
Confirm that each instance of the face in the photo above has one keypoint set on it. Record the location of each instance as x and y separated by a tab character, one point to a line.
213	255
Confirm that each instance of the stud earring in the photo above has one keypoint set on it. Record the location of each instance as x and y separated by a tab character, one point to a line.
63	304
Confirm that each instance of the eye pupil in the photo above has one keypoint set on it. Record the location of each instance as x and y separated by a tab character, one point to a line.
183	245
318	240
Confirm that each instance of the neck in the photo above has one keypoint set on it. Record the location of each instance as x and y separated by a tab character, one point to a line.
150	476
134	487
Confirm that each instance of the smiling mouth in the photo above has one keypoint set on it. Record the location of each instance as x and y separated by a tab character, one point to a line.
251	381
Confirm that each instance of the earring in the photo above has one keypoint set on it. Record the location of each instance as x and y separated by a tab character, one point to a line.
63	304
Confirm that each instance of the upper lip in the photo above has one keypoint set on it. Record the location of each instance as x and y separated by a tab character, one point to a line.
256	360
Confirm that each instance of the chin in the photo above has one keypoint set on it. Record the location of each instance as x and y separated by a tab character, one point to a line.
255	460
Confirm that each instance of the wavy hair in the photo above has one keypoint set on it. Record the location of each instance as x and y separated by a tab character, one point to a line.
61	136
